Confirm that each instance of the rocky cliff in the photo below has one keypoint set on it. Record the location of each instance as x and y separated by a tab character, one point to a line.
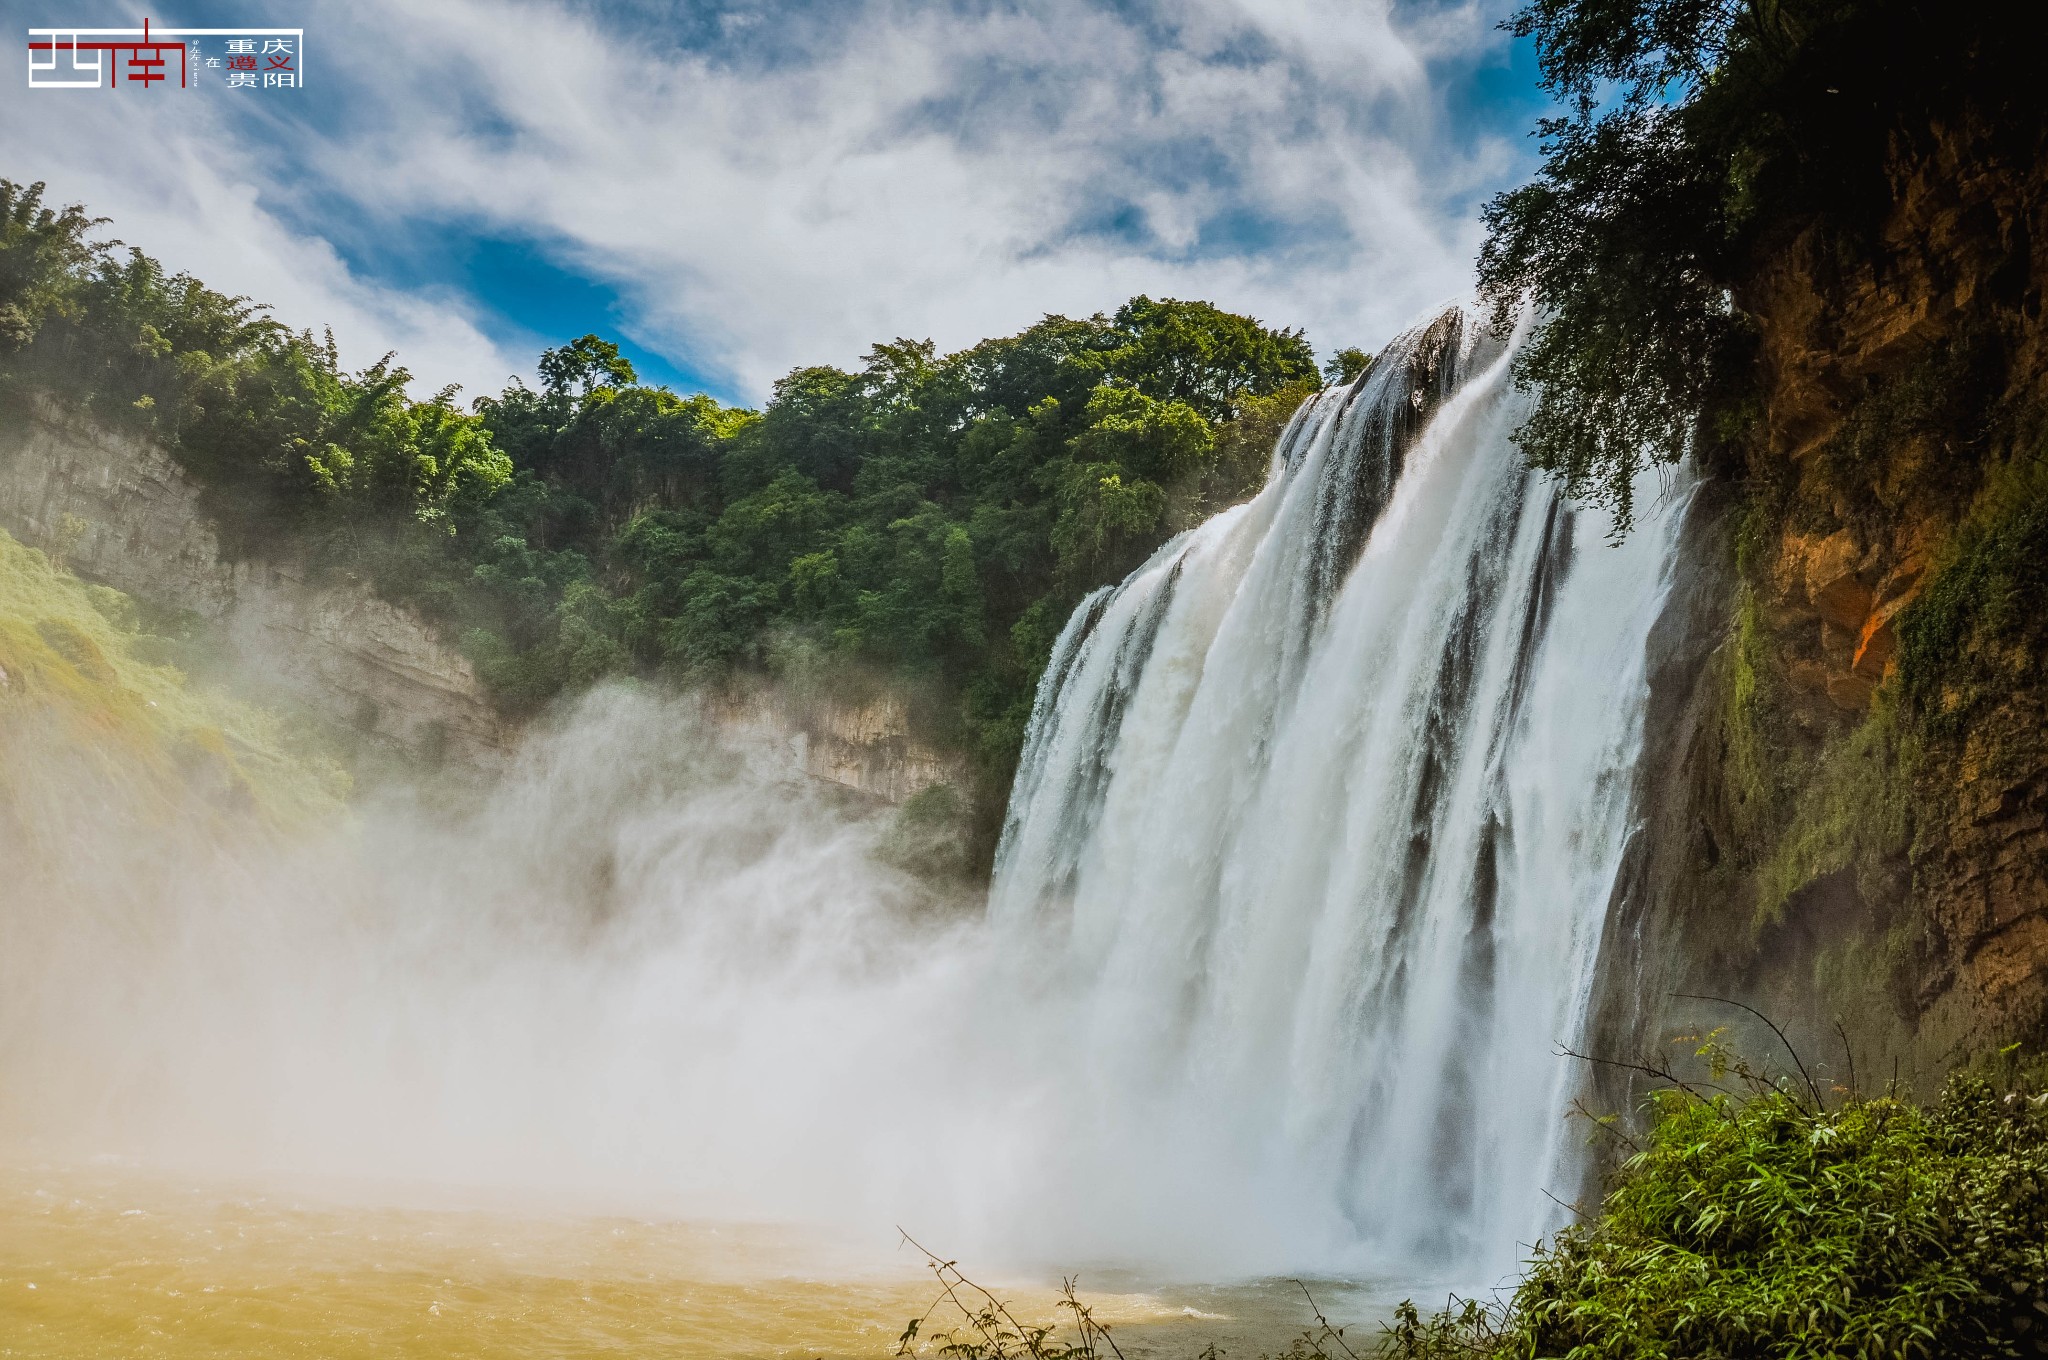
872	744
120	511
1845	812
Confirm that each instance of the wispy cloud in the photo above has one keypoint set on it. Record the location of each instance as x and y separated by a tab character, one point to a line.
764	186
194	183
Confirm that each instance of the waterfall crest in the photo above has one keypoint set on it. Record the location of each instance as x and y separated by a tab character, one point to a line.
1319	812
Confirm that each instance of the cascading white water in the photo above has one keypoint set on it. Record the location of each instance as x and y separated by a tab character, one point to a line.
1320	809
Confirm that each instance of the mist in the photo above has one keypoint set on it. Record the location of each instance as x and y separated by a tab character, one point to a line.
650	969
644	960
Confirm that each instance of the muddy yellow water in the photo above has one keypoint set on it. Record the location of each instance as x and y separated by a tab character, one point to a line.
115	1261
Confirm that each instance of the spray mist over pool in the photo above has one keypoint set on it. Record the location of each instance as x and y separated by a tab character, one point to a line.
1303	878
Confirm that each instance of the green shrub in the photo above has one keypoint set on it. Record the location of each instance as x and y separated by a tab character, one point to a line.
1766	1227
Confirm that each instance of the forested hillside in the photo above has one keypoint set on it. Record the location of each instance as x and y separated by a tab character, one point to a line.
928	519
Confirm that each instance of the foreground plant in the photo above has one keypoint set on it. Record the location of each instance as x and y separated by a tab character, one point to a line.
1767	1226
984	1328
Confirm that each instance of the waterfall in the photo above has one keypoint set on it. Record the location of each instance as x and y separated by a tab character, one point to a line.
1304	877
1319	812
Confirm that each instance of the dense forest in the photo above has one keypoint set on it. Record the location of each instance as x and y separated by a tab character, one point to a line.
929	518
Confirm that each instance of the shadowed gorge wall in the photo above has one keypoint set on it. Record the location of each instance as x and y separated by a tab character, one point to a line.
1845	809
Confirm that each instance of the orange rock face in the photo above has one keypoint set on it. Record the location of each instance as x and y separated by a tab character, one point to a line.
1833	587
1876	644
1835	638
1928	932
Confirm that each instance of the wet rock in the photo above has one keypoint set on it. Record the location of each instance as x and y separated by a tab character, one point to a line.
1808	677
1834	587
1877	643
1837	645
1901	585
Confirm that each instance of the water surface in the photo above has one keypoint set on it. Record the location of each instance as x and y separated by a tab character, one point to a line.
122	1260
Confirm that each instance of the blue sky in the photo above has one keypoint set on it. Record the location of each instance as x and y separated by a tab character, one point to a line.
731	190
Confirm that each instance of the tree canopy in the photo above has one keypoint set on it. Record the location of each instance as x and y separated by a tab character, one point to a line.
932	516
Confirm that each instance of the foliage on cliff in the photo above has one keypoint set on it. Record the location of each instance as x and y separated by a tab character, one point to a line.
267	417
81	683
1979	630
1697	138
1771	1226
933	517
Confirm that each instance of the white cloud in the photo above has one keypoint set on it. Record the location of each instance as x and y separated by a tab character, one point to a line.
185	183
911	170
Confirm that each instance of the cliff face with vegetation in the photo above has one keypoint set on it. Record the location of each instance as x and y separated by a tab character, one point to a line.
108	754
118	509
1846	808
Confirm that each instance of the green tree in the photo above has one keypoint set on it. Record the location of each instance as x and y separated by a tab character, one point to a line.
1345	366
42	250
1697	138
1196	353
588	363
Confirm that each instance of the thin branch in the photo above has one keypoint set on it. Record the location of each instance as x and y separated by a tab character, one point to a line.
994	1311
1084	1319
1562	1205
1660	1073
1602	1122
1323	1322
1820	1105
1849	1052
998	1326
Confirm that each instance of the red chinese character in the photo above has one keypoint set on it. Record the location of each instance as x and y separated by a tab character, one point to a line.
145	69
241	63
283	63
